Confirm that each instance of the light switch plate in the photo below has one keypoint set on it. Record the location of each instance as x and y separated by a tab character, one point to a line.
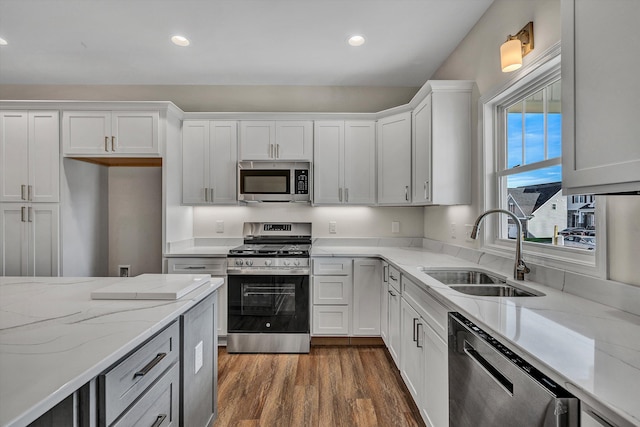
198	357
219	226
395	227
333	228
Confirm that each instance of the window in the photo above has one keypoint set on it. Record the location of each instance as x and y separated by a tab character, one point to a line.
522	136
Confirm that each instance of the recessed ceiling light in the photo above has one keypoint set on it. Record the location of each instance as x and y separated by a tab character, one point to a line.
180	40
356	40
3	42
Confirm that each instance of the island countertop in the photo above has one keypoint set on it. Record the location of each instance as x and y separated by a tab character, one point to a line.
54	338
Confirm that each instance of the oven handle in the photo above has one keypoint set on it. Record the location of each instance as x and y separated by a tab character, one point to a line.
289	294
252	272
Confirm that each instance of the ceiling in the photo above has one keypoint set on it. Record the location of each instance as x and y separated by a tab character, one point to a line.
233	42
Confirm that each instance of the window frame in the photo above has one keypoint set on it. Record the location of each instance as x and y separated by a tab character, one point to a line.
542	71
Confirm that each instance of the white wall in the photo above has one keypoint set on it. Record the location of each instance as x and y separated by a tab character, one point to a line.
477	58
135	219
351	221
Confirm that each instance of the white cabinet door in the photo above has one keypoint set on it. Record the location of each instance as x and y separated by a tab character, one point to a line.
29	239
223	160
29	156
344	163
195	162
294	140
332	290
86	132
366	297
384	300
135	132
411	353
394	160
422	152
44	156
600	97
330	320
14	240
360	162
394	325
328	169
257	140
14	155
434	403
209	162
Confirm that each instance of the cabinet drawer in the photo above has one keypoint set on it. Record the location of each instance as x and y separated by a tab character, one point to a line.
394	278
332	266
158	407
332	290
125	382
433	312
212	266
331	320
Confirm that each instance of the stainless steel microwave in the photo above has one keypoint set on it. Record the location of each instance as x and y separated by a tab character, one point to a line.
267	181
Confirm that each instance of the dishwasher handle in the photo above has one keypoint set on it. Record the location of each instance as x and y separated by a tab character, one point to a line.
493	372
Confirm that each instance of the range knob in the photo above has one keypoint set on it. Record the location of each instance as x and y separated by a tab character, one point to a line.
297	262
239	262
249	262
267	262
287	262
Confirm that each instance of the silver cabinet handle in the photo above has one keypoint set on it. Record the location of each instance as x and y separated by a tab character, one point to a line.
106	144
415	338
271	150
23	189
211	195
385	273
340	194
392	277
30	192
391	293
196	267
23	212
346	195
427	193
30	214
406	193
113	143
418	335
206	194
277	151
144	371
159	420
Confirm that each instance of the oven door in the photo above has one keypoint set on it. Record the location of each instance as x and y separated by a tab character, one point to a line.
268	304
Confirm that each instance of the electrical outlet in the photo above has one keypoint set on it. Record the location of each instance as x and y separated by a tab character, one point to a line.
124	270
395	227
333	229
452	230
219	226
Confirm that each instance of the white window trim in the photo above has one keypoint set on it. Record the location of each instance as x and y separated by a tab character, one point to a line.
542	70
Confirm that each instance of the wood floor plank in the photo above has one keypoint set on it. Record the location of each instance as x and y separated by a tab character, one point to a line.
335	386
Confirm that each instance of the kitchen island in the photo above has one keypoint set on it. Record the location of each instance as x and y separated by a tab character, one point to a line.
55	339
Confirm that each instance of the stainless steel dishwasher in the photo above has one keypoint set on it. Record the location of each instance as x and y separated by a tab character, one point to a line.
489	385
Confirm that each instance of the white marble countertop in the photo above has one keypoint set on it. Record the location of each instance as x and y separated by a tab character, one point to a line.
593	350
54	338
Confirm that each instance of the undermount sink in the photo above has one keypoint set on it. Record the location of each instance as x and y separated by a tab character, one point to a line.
478	283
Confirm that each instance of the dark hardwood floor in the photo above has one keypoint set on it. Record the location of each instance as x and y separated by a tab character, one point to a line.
331	386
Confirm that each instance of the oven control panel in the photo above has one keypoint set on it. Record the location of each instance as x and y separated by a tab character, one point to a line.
271	266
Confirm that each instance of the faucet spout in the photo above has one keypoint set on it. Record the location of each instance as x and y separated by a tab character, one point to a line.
519	268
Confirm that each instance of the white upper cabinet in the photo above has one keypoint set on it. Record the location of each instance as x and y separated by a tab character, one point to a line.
111	133
600	97
209	162
276	140
394	160
441	148
29	156
344	162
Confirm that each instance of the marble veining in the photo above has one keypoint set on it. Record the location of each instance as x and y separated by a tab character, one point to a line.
54	338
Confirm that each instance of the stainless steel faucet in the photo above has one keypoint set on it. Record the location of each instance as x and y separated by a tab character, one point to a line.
519	268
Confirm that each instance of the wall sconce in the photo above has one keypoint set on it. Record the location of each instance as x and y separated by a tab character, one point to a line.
512	51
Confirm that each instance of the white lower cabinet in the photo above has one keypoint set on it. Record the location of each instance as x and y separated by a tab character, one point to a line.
29	239
434	402
412	350
366	297
393	345
384	304
331	320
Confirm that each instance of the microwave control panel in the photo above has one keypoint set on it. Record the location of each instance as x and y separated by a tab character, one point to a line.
301	181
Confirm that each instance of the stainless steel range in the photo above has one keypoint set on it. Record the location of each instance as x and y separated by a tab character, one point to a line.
268	285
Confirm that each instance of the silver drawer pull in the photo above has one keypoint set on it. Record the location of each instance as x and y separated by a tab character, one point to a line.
392	294
159	420
144	371
196	267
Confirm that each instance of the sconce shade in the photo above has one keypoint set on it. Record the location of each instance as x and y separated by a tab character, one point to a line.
511	55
